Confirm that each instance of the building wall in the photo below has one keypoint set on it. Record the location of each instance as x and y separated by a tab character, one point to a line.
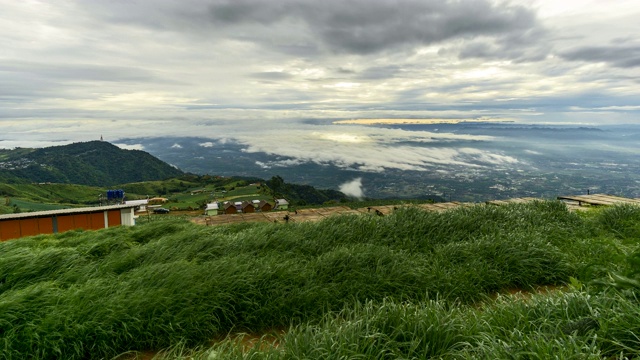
81	221
113	218
96	220
249	209
9	229
282	205
45	225
64	222
29	227
127	217
16	228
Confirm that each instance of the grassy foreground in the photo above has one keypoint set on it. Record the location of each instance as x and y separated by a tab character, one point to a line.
413	284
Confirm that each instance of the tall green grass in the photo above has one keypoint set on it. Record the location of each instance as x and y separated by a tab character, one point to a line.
172	283
570	325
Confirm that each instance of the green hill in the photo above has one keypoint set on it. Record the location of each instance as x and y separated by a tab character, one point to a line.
185	192
411	285
302	194
94	163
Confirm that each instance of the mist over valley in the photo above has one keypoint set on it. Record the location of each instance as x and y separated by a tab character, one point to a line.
460	162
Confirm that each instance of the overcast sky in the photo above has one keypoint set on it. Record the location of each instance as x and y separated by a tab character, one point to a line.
75	70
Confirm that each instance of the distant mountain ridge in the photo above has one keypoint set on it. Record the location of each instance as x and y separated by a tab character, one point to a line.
95	163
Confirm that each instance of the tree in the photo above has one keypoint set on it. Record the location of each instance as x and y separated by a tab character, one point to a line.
202	204
276	184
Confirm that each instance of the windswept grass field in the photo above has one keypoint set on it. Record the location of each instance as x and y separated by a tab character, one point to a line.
413	284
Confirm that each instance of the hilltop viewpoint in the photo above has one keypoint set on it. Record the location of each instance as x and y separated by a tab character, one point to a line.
519	281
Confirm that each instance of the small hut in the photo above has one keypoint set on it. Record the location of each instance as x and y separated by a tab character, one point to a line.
264	206
230	208
212	209
247	207
282	204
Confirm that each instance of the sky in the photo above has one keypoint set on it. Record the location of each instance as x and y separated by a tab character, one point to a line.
237	70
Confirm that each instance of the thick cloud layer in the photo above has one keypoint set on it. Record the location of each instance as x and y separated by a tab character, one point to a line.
357	26
376	149
363	26
73	70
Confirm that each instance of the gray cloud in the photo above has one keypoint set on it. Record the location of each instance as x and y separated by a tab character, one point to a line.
76	72
345	71
624	39
382	72
492	51
623	56
364	27
29	82
272	75
522	45
478	50
356	27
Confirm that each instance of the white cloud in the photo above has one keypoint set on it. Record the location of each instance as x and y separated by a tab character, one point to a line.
280	163
533	152
130	146
489	158
353	188
12	144
263	165
374	149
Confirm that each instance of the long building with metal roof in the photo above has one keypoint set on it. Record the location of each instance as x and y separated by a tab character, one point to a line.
14	226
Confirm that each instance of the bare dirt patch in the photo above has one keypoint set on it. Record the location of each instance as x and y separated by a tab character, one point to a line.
269	339
247	341
527	294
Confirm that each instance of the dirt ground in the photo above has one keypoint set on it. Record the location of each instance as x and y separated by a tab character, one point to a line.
316	214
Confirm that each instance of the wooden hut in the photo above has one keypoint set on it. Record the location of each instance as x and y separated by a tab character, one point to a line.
247	207
264	206
230	208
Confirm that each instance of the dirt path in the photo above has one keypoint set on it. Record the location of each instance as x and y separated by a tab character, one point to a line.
315	214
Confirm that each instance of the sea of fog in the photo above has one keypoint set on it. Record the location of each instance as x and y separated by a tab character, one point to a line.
461	162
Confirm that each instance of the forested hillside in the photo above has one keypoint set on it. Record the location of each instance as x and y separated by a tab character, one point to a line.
96	163
302	194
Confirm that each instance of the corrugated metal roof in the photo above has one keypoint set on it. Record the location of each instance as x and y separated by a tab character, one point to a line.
64	211
213	206
137	202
